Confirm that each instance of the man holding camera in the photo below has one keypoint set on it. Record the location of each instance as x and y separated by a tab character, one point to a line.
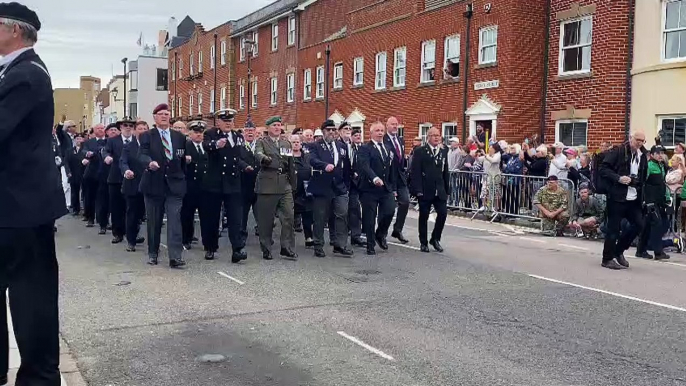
622	176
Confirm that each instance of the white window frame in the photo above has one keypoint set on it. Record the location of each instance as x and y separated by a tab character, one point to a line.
338	76
212	96
200	62
424	130
428	64
190	104
180	106
223	53
192	62
256	45
180	68
243	48
290	87
273	96
446	58
557	130
253	101
173	106
291	30
213	56
173	72
399	72
222	99
307	84
660	119
561	58
199	102
665	31
275	37
319	92
482	46
241	96
358	69
444	126
380	73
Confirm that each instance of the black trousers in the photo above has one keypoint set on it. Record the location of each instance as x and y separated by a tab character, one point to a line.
135	211
117	210
374	204
28	268
652	232
90	193
249	200
441	207
191	203
305	213
616	241
102	204
75	195
354	214
403	201
233	206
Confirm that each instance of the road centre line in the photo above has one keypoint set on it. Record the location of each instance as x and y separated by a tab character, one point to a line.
366	346
404	246
676	264
231	278
675	308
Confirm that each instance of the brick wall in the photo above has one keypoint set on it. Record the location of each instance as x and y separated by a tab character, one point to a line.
603	90
183	85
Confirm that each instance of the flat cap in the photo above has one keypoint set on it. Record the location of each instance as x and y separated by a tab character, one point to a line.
328	125
226	114
199	126
160	107
19	12
273	120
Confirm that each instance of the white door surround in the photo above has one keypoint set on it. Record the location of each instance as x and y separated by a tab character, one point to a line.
483	110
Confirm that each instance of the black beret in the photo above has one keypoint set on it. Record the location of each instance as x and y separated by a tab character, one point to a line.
356	131
343	124
19	12
328	125
112	126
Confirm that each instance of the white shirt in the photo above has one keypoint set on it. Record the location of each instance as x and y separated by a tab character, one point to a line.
9	58
198	146
335	152
378	147
558	167
631	193
124	139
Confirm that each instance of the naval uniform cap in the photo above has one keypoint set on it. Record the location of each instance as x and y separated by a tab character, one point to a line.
199	126
226	114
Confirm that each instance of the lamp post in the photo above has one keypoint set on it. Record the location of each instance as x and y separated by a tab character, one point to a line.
248	53
124	61
326	83
214	87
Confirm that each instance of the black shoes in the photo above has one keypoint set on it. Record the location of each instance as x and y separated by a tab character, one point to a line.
611	264
187	247
424	248
209	255
117	239
309	244
102	231
131	248
152	260
194	240
288	254
346	252
662	256
180	263
357	243
622	261
382	243
399	236
89	224
437	246
267	255
140	240
319	252
644	255
238	256
371	251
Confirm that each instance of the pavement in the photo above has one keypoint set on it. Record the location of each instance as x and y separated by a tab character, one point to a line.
499	307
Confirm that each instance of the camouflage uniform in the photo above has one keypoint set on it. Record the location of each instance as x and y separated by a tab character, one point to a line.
552	201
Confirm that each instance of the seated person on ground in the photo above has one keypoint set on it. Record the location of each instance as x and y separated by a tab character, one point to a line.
552	202
588	212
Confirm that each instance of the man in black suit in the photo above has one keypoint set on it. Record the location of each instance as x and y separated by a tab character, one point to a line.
32	199
74	159
92	161
330	165
163	184
102	201
354	208
132	170
196	170
248	180
112	155
226	152
377	184
430	183
396	146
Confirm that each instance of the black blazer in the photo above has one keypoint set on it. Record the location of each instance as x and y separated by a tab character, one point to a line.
371	164
66	143
129	161
323	183
74	166
354	175
429	176
225	165
399	164
93	169
170	178
248	178
617	163
30	190
114	148
196	170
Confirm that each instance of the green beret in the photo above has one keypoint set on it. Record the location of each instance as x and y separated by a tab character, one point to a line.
273	120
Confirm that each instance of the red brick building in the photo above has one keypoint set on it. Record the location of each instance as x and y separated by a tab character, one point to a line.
200	69
588	82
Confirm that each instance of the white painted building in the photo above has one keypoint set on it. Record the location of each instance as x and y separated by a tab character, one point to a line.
148	85
114	109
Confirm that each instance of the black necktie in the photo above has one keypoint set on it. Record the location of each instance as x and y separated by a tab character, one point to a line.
199	149
126	141
435	150
331	149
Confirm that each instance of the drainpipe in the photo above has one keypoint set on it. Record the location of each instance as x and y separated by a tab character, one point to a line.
214	86
297	12
176	79
546	72
629	60
467	14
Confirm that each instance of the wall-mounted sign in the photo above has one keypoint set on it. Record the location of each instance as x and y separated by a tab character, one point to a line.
488	7
487	84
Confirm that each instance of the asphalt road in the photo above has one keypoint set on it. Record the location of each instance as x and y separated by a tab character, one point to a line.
473	315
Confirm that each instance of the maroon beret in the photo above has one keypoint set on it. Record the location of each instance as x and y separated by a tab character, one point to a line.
160	107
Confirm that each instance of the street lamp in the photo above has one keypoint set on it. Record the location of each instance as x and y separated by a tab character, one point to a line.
248	53
124	61
326	84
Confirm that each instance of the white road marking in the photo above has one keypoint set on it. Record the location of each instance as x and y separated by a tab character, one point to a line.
510	227
534	240
404	246
573	247
231	278
611	293
366	346
677	264
63	382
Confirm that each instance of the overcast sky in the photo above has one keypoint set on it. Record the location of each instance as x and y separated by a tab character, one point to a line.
90	37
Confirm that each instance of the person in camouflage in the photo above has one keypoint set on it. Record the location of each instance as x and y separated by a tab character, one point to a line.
552	202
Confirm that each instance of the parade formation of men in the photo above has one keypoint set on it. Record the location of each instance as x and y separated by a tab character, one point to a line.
130	173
